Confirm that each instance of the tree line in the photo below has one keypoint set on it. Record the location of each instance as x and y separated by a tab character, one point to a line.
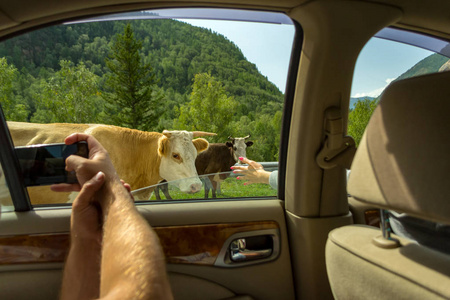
177	77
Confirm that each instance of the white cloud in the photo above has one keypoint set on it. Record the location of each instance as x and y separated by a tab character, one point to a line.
374	93
389	80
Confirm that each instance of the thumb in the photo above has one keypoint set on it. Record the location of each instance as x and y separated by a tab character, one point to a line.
90	187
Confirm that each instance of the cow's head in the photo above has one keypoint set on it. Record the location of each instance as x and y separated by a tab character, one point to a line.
239	146
178	151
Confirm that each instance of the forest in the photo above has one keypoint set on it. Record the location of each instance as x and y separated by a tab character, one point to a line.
144	74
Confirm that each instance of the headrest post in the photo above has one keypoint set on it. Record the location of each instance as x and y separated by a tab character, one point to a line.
385	241
385	226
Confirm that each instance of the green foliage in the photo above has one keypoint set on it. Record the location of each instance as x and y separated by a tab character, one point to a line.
176	51
130	85
359	118
209	108
13	109
70	95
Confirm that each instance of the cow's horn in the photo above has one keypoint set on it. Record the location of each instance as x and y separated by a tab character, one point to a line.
231	138
202	133
247	137
167	133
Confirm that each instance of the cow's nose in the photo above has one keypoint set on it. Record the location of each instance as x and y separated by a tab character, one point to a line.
195	187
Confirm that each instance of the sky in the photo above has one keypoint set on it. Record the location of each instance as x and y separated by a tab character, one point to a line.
380	62
268	46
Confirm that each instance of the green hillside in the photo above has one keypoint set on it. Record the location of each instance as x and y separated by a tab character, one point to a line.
430	64
176	52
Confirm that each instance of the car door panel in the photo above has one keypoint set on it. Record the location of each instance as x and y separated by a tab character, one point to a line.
193	235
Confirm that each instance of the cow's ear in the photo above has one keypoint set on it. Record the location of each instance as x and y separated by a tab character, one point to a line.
229	144
163	145
249	144
200	144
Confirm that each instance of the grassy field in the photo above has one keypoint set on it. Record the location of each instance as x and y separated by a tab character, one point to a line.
230	188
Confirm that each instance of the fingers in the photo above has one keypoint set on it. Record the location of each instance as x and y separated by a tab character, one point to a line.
73	161
126	185
65	187
253	164
239	169
93	145
245	160
91	187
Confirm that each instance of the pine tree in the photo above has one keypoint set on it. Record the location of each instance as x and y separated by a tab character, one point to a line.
131	85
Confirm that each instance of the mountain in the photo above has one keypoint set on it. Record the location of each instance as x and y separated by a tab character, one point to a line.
354	100
175	50
430	64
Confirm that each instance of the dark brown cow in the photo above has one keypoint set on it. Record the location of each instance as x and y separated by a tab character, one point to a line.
218	158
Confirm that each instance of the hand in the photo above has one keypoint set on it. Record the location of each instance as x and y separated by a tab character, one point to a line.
253	173
86	223
86	168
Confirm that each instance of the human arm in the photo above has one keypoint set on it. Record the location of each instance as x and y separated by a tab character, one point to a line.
81	277
132	262
253	173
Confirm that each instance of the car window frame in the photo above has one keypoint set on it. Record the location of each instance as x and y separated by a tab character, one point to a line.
17	187
11	169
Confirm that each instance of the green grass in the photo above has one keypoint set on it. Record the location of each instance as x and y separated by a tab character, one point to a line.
230	188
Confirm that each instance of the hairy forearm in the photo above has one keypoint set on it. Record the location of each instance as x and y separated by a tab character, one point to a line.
133	265
81	278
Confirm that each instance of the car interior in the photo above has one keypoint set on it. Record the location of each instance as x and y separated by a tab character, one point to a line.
315	236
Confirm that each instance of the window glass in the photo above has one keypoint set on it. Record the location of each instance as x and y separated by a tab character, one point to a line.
199	70
390	56
5	198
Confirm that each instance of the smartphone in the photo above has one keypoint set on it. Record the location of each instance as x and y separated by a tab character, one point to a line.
46	164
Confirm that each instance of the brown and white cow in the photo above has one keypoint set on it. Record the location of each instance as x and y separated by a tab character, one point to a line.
216	160
140	158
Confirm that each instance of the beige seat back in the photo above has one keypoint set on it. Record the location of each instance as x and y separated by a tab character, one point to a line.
402	164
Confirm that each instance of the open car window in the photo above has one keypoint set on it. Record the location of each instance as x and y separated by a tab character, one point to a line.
391	55
197	70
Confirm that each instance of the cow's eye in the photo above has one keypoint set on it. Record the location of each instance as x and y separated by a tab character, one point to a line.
176	156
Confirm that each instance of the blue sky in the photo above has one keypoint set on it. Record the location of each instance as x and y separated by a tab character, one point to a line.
268	46
380	62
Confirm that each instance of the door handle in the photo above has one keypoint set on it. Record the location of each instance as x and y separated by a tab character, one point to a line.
248	248
251	248
239	251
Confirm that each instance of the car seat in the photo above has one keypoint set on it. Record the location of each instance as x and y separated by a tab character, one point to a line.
402	164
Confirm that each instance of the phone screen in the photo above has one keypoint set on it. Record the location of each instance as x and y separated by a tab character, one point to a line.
46	164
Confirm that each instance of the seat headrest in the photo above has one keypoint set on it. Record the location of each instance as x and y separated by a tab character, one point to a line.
403	160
